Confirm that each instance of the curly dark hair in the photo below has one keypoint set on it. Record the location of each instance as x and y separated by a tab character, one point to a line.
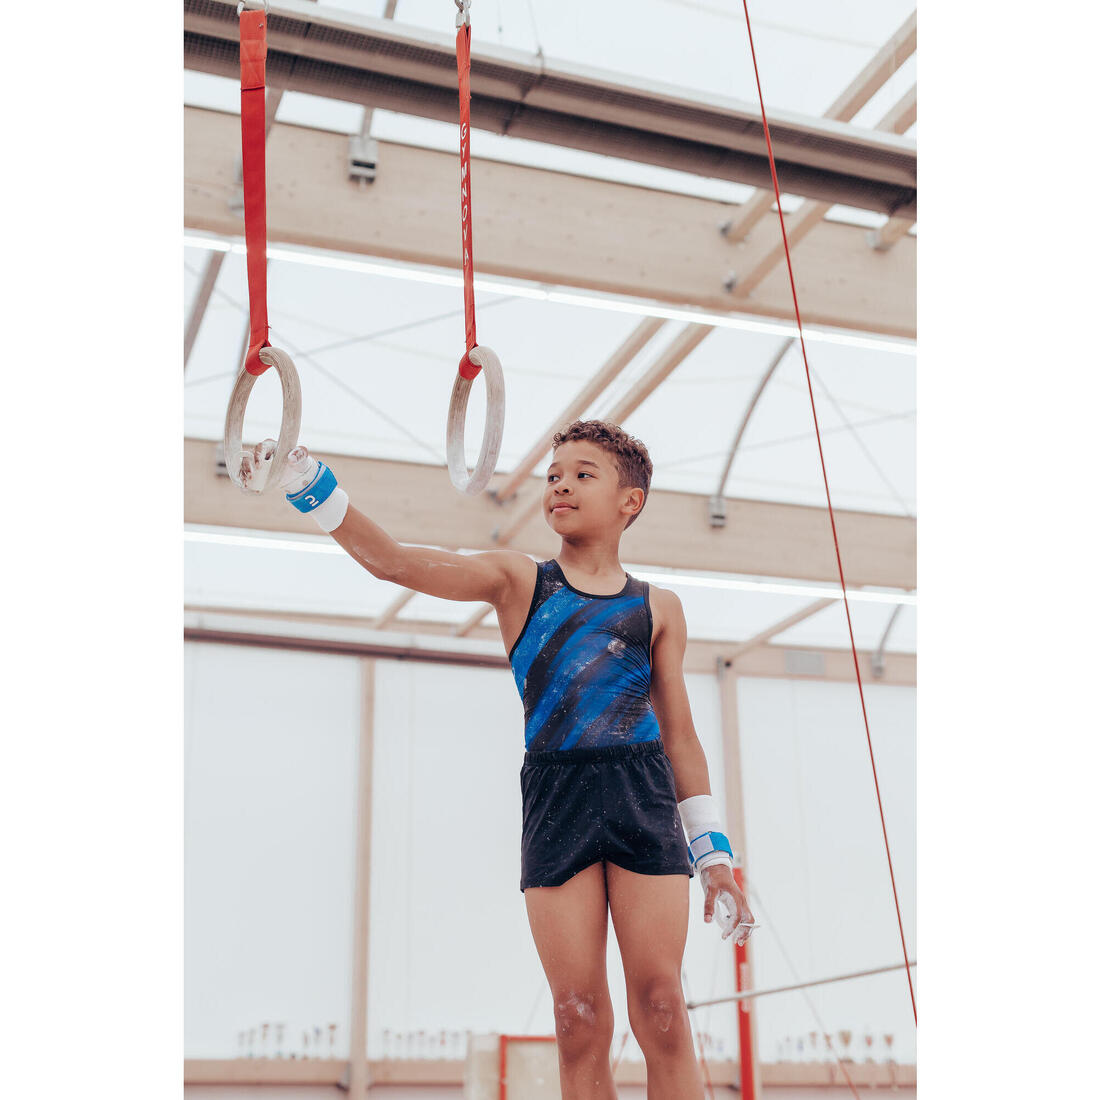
630	454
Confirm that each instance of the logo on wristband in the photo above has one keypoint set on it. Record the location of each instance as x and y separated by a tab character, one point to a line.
316	492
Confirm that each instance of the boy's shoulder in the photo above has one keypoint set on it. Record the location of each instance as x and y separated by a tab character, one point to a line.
664	597
667	611
519	568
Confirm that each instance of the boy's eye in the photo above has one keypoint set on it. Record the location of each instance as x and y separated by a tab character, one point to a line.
550	477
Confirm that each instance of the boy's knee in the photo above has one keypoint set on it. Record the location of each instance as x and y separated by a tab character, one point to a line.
581	1021
658	1015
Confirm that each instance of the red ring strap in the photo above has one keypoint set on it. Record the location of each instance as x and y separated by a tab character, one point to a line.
466	368
254	177
829	500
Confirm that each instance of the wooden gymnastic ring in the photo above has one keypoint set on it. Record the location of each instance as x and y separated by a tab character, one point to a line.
288	430
462	479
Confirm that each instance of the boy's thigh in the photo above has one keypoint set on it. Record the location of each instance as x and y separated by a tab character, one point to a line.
569	926
650	914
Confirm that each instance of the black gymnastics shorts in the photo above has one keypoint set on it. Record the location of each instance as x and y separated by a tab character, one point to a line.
583	806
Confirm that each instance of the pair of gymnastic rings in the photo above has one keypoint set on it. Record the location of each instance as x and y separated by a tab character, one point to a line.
261	355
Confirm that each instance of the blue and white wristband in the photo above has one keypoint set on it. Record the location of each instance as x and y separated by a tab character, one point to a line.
322	499
706	841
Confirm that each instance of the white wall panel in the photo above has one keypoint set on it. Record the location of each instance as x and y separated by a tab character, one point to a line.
271	757
450	947
816	859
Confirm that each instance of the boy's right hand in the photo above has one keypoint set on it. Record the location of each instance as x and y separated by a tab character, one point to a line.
254	465
308	483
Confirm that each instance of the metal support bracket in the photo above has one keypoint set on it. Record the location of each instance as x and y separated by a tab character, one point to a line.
362	158
878	658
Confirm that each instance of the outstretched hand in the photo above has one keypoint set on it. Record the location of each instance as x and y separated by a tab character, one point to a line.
254	465
725	897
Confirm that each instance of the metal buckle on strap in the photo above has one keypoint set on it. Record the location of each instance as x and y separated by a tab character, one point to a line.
255	5
463	17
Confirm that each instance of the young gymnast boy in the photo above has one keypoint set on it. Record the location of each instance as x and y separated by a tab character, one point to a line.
612	753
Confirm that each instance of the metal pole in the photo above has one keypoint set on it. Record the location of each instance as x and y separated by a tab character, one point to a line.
735	824
359	1077
747	994
202	300
717	504
878	658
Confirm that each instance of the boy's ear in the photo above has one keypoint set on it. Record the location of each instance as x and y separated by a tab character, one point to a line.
635	496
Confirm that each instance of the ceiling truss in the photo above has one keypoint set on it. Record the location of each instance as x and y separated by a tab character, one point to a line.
372	61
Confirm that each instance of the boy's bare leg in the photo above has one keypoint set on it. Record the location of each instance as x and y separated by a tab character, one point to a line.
650	913
569	924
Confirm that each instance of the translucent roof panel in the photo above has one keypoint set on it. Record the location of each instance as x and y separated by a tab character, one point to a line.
377	355
808	52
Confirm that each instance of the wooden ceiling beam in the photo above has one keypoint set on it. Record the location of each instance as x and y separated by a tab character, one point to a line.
534	224
418	505
811	214
764	636
898	48
886	236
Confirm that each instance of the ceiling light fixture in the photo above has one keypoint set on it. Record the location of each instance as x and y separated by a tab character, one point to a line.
606	303
313	545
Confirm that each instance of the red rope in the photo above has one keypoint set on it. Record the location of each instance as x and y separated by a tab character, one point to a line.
466	368
254	180
828	497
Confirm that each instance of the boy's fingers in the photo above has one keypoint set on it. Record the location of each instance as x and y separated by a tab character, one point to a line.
245	468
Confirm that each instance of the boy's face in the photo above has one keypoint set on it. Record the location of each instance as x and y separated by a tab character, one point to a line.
582	493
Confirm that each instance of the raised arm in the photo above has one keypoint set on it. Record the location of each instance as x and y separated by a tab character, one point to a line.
490	576
311	487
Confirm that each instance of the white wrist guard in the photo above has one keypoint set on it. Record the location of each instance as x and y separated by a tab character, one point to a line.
331	513
706	840
322	499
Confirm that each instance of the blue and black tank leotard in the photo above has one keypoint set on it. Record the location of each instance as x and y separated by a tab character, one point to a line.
582	665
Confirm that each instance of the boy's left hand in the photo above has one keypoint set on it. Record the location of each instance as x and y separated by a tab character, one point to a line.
718	883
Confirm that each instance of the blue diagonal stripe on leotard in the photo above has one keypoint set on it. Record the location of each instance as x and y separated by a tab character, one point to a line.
565	666
619	702
591	706
550	615
642	725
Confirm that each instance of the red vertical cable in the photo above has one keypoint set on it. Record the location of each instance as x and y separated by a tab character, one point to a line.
828	497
